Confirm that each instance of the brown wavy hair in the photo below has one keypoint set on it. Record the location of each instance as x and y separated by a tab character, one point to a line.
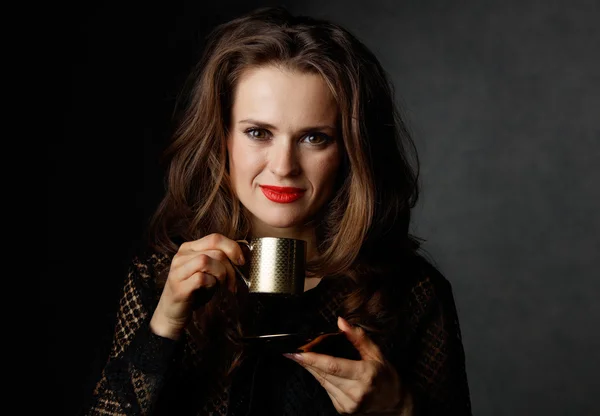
369	215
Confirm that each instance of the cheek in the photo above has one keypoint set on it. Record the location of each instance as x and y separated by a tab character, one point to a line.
326	169
236	159
244	162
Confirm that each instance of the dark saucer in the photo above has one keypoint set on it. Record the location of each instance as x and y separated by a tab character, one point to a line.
290	343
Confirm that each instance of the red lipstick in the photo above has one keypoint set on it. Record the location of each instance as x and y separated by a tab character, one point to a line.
282	194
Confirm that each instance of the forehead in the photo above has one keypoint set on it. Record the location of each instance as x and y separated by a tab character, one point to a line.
279	95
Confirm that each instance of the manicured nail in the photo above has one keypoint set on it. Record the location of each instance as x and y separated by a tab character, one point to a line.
295	357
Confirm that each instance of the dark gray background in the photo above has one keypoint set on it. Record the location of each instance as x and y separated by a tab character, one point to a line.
503	100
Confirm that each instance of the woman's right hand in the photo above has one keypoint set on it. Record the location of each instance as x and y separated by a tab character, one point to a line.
197	264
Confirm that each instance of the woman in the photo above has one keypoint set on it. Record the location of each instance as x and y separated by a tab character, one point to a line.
290	131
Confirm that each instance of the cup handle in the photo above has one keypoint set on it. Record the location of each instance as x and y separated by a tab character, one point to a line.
237	269
246	243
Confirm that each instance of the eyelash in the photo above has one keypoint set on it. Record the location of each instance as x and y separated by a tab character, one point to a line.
326	138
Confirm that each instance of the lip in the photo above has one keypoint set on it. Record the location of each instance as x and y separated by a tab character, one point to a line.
282	194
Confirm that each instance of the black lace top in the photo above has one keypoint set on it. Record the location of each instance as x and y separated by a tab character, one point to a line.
147	374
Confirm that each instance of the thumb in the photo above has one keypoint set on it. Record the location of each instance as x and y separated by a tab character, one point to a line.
367	349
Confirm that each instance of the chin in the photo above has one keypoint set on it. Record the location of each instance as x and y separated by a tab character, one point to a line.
281	222
281	218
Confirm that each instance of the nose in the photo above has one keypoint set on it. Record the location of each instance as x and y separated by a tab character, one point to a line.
284	159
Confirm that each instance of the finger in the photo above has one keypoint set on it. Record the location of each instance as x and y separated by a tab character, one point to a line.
181	257
196	281
356	335
201	263
182	291
353	388
334	366
218	242
341	383
222	257
341	401
184	256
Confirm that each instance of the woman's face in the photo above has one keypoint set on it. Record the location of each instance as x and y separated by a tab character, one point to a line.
283	146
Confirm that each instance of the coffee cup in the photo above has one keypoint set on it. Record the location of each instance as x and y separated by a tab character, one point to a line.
274	265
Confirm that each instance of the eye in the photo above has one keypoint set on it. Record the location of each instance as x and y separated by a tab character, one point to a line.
317	139
257	134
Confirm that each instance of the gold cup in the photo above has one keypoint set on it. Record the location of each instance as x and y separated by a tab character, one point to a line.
274	265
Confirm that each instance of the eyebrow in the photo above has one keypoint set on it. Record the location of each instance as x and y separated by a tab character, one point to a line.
265	125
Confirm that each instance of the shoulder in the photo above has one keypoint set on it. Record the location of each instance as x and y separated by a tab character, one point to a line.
421	288
428	283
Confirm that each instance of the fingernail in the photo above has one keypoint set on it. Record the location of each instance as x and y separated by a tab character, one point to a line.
295	357
345	323
241	260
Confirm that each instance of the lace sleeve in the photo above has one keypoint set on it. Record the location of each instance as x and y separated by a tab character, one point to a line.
139	360
436	359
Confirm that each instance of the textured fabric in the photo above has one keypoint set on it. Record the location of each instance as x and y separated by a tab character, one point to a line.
146	374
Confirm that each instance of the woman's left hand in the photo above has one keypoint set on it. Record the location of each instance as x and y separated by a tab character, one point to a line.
370	385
